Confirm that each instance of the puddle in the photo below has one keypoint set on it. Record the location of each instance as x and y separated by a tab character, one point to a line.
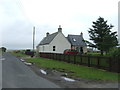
43	72
28	63
68	79
22	60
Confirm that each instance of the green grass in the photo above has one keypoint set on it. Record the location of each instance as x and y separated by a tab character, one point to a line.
96	53
75	70
19	54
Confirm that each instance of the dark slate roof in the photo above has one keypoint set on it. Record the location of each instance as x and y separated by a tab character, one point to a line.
48	39
76	40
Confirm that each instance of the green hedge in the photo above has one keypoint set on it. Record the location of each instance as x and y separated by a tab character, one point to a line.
115	52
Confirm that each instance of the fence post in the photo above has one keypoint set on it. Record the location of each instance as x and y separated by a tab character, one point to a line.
74	59
88	61
55	56
68	58
39	54
51	55
48	55
63	57
110	63
81	59
60	57
118	59
98	62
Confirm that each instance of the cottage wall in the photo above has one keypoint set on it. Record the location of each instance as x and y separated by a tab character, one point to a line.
44	48
85	49
60	43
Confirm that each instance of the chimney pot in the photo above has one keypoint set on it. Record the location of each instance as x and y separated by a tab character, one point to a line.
81	34
47	34
59	29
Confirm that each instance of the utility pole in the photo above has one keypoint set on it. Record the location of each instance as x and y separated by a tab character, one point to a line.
119	30
33	38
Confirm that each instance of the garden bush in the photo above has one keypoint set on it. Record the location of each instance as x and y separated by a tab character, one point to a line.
115	52
29	52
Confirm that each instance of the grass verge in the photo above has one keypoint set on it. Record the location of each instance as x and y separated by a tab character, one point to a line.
19	54
75	70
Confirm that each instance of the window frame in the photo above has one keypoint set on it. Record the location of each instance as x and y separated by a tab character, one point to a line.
54	48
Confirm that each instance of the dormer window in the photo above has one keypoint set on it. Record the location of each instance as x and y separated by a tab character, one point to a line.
74	39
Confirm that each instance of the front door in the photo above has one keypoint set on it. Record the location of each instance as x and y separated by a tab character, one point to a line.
81	50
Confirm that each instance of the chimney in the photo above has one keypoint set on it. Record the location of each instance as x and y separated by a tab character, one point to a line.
47	34
59	29
81	34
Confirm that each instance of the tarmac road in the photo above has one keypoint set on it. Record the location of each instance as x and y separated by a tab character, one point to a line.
16	74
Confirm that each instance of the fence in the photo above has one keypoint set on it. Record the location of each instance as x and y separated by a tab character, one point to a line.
102	62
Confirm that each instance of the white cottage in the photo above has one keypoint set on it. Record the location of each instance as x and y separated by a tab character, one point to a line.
54	43
57	43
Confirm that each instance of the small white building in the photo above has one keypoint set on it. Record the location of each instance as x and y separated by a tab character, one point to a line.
54	43
57	43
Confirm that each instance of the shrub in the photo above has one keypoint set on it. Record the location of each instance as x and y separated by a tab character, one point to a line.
16	51
115	52
29	52
3	49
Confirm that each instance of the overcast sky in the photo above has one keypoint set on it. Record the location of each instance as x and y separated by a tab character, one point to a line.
17	18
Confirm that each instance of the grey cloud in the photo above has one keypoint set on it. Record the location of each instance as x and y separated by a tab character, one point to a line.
16	29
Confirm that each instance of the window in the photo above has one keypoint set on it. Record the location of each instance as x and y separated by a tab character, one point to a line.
53	48
81	49
74	39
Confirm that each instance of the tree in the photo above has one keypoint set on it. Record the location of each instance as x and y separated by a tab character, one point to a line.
3	49
103	39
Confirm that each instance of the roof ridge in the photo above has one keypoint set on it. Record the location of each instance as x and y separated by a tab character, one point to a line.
74	35
53	33
48	39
